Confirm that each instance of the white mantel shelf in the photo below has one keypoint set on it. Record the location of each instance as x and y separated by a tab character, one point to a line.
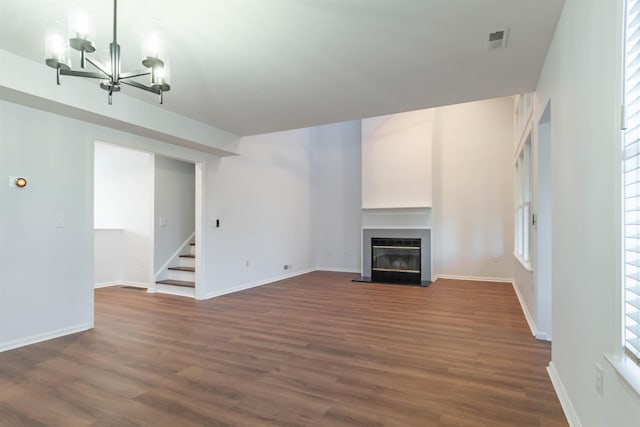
388	208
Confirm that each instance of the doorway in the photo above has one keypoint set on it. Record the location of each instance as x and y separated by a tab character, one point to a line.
147	209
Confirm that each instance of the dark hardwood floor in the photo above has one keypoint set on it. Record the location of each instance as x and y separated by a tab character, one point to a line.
315	350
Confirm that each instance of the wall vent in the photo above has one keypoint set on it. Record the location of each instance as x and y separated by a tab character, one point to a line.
497	39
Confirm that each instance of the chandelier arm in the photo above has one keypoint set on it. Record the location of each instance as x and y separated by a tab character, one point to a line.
141	86
88	74
99	66
132	74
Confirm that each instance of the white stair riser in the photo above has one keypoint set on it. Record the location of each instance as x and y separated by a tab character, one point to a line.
188	276
187	262
176	290
192	249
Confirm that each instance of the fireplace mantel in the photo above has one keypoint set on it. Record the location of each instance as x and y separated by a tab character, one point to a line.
418	218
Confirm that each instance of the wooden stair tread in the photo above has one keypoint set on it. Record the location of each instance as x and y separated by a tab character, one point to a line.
182	268
192	244
187	256
177	283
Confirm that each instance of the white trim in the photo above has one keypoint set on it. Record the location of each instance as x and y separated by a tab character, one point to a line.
527	315
121	283
174	256
181	291
151	244
33	339
256	284
563	397
390	227
388	208
338	269
473	278
200	171
525	264
106	284
526	132
626	369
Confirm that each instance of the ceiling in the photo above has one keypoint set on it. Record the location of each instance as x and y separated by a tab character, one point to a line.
256	66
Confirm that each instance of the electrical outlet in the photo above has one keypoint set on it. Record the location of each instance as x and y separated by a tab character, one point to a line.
599	380
286	266
246	263
59	220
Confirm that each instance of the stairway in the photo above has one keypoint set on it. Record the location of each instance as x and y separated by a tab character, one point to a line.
181	279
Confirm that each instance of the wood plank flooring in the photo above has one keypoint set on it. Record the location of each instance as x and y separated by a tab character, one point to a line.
314	350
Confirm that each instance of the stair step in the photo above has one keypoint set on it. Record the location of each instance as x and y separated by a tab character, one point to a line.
192	244
177	283
188	256
192	269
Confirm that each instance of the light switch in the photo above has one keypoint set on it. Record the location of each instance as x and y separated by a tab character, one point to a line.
164	222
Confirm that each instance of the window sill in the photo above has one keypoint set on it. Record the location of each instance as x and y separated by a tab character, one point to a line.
626	369
525	264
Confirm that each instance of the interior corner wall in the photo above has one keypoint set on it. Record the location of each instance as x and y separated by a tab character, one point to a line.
473	177
261	198
123	200
582	79
336	176
174	207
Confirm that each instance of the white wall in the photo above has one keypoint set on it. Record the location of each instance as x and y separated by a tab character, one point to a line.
262	199
123	199
45	271
581	78
336	196
49	292
396	160
174	202
107	259
473	189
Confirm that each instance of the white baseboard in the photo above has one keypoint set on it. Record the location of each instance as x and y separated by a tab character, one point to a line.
527	315
472	278
563	397
542	336
105	284
339	270
121	283
173	290
255	284
21	342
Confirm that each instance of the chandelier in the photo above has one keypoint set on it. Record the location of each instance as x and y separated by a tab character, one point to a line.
110	74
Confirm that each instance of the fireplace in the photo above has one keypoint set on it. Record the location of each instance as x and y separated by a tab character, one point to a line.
401	255
396	260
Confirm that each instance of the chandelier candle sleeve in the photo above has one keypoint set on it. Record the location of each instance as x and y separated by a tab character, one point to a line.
109	73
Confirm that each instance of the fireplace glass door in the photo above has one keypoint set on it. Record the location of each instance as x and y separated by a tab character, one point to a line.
395	260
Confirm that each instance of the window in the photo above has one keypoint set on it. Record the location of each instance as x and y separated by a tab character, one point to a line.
523	203
631	182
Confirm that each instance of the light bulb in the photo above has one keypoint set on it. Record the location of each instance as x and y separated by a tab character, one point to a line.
57	51
152	46
79	26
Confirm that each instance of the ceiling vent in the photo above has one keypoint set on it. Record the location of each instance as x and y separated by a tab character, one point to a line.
497	39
